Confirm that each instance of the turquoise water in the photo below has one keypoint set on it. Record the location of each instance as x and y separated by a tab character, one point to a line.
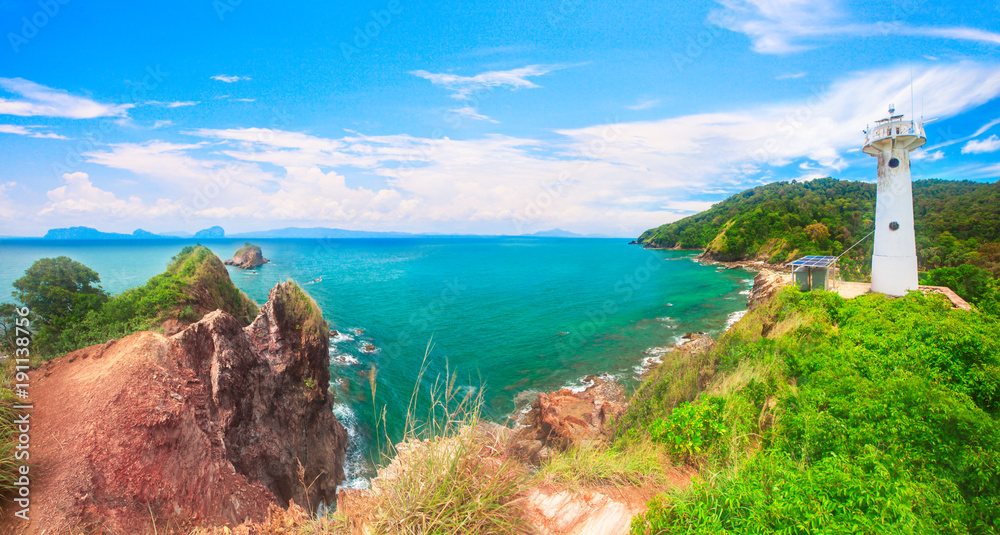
509	315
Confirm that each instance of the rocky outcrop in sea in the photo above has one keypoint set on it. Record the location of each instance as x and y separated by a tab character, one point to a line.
247	257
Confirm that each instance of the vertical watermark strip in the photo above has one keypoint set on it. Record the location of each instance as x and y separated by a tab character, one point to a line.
22	453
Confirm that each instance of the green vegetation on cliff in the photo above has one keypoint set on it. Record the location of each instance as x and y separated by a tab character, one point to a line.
816	414
195	283
957	222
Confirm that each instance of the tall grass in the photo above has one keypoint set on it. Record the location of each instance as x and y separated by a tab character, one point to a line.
634	463
451	473
8	433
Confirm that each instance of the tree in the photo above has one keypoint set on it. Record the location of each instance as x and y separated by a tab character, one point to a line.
59	291
817	232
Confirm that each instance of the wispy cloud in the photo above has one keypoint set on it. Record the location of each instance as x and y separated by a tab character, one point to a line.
247	99
28	131
645	104
623	177
469	112
183	104
462	87
41	101
786	26
981	146
790	76
229	79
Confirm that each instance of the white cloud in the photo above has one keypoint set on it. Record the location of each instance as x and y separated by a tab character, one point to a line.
181	104
926	155
977	146
469	112
28	131
790	76
616	178
80	197
785	26
462	87
41	101
247	99
645	104
161	124
229	79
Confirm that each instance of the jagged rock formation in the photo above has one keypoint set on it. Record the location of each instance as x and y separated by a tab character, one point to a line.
247	257
565	418
209	426
765	284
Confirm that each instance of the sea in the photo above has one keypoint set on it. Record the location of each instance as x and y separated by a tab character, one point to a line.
502	317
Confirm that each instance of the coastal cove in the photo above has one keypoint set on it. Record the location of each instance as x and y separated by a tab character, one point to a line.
514	316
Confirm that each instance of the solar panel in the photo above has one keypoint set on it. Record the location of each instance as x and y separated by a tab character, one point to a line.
814	261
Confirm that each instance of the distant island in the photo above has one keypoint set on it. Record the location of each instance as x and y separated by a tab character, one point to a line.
218	233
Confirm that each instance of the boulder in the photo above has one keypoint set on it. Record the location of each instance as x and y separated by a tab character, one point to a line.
565	418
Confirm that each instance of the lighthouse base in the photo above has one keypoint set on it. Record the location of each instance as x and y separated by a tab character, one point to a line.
894	275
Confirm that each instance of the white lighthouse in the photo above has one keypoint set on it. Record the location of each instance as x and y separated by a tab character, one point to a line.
894	260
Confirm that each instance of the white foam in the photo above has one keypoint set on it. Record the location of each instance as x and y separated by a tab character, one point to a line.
733	318
344	359
654	356
368	347
668	322
355	465
340	338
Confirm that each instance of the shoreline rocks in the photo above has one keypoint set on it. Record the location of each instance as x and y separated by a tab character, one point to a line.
565	418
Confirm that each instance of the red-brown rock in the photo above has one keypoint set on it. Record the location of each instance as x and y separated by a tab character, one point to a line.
566	418
205	427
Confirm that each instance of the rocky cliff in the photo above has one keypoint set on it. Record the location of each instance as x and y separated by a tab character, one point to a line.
247	257
210	426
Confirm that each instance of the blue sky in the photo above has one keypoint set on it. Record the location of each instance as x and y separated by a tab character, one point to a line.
470	117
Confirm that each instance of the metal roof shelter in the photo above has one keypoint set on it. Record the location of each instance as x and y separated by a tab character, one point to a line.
814	272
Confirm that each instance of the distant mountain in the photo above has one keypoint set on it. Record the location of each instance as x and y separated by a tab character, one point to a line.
87	233
319	233
555	233
211	233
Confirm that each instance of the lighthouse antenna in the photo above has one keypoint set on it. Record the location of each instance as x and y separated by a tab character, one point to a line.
911	93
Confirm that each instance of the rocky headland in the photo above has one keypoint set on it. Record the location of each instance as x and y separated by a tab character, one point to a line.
215	425
247	257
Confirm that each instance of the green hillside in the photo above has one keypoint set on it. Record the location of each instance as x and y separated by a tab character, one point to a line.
816	414
957	222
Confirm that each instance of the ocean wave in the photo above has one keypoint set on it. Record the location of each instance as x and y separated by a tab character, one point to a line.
367	347
668	320
654	356
355	464
733	318
340	338
344	359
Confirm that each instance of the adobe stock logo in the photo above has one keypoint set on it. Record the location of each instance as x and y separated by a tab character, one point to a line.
47	10
363	35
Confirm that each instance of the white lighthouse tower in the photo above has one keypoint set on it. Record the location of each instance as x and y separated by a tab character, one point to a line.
894	260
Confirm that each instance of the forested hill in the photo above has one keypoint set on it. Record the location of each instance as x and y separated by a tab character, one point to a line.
957	222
